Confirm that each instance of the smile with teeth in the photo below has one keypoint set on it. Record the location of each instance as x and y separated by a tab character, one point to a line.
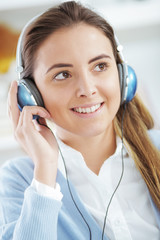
88	109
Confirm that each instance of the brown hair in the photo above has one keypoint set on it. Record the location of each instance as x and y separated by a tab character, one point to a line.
137	119
62	16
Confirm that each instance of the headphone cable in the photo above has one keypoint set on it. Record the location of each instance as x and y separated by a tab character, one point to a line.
66	172
122	172
72	194
69	188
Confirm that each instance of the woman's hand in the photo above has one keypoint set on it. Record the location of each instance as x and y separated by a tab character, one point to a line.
37	140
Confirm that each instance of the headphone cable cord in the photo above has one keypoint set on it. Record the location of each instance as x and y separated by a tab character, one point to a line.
66	172
122	172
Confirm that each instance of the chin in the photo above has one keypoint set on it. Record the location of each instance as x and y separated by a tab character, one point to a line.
92	131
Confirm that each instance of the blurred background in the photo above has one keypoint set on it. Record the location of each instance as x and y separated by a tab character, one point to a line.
137	26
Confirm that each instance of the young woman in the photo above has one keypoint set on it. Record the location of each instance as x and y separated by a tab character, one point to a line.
80	183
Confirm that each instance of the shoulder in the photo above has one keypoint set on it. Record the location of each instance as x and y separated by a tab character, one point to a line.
154	135
18	170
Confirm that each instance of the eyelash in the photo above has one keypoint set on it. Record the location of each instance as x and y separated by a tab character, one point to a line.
63	72
105	65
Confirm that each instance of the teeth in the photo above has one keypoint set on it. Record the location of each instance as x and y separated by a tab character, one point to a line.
87	110
93	109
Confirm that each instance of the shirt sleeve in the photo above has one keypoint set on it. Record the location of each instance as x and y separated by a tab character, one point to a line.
24	213
47	191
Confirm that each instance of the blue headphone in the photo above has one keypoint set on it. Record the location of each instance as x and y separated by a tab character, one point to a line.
28	94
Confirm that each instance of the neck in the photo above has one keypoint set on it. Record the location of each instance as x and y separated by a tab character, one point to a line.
95	149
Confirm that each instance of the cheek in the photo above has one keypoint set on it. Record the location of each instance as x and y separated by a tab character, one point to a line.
52	103
49	97
55	102
111	89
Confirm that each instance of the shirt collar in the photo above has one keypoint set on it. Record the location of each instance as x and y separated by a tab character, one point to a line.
72	153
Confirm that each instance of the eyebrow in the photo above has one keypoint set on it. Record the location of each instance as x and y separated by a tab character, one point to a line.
98	57
61	65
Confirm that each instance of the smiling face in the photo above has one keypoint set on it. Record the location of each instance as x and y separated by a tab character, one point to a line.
76	73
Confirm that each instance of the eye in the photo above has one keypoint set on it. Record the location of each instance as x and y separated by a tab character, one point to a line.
100	67
62	76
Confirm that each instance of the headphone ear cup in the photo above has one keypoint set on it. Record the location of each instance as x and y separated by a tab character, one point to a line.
121	80
28	94
132	84
128	89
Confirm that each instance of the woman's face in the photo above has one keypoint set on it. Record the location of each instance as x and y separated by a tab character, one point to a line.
76	73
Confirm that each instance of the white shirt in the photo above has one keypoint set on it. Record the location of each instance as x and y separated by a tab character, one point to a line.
130	215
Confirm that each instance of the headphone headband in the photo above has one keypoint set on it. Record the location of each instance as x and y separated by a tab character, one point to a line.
19	62
128	80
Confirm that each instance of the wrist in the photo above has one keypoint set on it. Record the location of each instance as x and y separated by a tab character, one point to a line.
46	174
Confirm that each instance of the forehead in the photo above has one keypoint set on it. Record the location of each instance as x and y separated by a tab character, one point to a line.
78	40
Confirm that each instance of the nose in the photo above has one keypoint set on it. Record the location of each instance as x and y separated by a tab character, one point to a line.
86	86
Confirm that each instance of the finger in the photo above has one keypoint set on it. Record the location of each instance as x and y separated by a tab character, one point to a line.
26	118
39	124
26	126
13	110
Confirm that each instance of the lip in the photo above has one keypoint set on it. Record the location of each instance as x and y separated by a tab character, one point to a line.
88	115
